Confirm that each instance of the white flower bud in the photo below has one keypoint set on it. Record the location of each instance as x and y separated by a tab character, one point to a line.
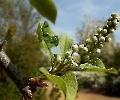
105	26
75	47
109	23
114	15
108	39
85	50
95	39
102	39
111	30
76	57
97	51
114	22
104	31
81	47
101	46
74	64
99	30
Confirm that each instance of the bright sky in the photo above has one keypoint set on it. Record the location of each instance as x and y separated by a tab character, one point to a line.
71	14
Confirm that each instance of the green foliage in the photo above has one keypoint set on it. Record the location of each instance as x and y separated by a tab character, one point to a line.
46	8
67	83
65	43
97	66
71	85
62	64
55	79
47	37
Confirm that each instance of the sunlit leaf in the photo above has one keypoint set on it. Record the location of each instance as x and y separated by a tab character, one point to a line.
46	8
72	85
55	79
68	83
65	43
47	37
97	66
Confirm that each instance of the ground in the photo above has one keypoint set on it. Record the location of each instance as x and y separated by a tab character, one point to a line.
86	94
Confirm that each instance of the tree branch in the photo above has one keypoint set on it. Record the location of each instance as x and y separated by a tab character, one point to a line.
20	81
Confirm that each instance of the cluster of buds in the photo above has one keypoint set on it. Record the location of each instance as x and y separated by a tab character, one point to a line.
93	45
82	53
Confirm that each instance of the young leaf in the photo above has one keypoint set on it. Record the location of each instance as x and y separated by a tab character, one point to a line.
65	43
55	79
72	85
46	8
47	37
96	65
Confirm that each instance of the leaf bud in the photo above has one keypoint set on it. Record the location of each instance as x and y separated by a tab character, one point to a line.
76	57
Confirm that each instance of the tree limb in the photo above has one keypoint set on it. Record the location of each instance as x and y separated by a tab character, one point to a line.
20	81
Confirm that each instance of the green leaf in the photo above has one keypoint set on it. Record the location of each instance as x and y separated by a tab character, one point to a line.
46	8
65	43
55	79
72	85
68	83
96	65
47	37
